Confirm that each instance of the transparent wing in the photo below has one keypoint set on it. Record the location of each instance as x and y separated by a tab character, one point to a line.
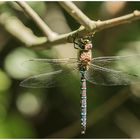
40	66
125	63
47	80
105	76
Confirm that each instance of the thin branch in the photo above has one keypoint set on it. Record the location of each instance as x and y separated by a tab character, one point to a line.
54	39
118	21
98	26
95	116
16	28
35	17
77	14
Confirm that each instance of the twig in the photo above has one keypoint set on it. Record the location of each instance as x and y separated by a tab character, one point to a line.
96	115
76	13
17	29
97	26
100	25
118	21
35	17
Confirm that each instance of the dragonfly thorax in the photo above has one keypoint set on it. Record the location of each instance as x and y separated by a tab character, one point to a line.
85	57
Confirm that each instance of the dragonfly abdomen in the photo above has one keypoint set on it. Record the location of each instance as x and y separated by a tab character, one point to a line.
83	102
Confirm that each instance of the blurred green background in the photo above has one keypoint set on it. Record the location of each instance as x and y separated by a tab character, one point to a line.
113	112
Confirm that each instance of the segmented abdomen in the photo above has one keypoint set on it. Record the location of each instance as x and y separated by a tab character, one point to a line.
83	102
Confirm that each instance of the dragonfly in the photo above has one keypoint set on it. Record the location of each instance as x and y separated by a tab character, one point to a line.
98	70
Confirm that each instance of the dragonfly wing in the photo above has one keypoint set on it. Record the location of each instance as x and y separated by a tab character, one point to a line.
40	66
46	80
118	62
104	76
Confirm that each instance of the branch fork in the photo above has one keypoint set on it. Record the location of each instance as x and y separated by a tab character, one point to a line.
87	27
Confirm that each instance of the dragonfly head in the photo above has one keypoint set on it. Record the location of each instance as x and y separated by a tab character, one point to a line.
84	44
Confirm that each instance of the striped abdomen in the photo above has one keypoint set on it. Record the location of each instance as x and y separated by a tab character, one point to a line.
83	102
